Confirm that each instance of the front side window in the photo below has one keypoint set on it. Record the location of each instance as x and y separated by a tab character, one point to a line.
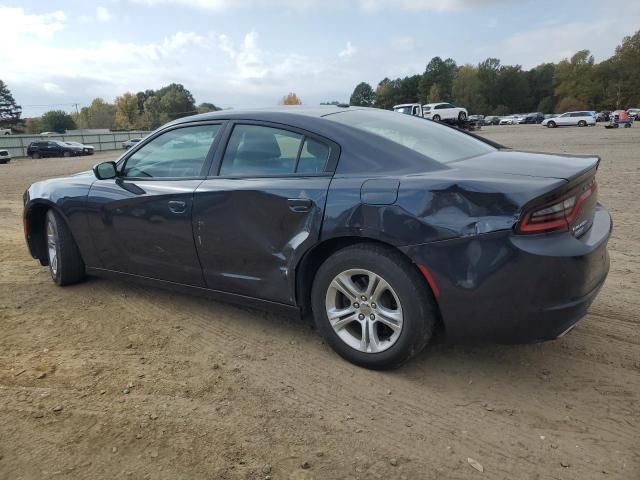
175	154
255	150
438	142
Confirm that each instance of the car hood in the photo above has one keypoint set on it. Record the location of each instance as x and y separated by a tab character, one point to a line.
563	167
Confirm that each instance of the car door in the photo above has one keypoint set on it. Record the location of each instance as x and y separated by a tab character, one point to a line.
141	221
449	111
564	119
262	208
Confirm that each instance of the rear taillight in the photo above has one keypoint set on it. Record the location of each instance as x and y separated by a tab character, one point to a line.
558	214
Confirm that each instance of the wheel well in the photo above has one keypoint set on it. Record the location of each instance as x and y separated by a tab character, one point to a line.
35	226
313	259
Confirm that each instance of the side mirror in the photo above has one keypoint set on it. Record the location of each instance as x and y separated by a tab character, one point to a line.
105	170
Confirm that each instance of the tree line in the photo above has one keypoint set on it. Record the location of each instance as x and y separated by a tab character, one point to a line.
490	88
145	110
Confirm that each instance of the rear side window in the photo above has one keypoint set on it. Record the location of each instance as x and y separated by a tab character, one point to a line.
435	141
255	150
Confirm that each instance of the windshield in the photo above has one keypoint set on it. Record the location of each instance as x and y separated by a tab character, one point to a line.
441	143
406	110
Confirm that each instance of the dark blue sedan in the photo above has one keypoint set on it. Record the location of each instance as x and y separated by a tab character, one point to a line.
383	226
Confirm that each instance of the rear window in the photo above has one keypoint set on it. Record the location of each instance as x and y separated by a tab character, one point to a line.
438	142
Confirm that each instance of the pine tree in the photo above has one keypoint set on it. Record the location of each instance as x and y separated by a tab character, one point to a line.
9	111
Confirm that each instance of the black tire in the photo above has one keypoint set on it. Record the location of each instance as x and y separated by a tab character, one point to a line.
582	123
419	316
66	154
436	118
35	155
551	125
69	268
462	116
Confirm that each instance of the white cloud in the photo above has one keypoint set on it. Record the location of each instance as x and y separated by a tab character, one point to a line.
52	88
20	26
102	14
349	51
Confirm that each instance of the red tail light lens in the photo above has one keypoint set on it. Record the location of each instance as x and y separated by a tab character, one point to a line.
559	214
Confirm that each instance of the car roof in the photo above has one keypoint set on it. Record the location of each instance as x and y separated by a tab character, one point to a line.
294	111
432	104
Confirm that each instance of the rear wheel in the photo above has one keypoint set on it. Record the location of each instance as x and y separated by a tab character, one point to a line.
372	306
65	263
67	154
551	125
436	118
582	123
35	155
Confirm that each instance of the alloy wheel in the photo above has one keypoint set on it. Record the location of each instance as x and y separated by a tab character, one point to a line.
52	247
364	310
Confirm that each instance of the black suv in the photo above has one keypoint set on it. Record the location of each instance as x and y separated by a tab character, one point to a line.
49	148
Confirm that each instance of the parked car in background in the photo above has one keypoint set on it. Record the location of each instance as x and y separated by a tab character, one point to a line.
603	116
581	119
444	111
533	118
86	149
634	112
491	120
46	134
510	120
5	156
5	131
409	109
382	226
127	144
52	148
476	118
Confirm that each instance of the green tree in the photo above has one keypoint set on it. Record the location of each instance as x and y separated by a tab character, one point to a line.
467	91
205	107
574	78
625	67
362	96
386	94
126	111
440	72
488	82
434	94
514	88
9	111
56	121
540	81
176	101
99	114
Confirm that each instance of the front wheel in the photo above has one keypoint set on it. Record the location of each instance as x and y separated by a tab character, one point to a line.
65	263
372	306
551	125
35	155
462	116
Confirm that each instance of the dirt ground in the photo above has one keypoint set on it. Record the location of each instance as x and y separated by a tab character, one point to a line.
109	380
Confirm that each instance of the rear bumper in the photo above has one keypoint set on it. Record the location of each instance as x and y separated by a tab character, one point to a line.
510	288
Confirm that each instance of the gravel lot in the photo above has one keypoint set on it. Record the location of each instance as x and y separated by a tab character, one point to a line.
221	392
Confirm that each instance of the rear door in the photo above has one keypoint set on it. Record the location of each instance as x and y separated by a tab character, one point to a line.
262	208
141	222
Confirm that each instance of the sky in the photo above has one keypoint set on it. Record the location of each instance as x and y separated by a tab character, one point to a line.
250	53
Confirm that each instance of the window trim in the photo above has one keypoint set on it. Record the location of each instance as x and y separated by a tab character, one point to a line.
121	163
329	168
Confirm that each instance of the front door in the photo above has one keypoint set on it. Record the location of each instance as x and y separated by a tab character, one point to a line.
264	210
141	221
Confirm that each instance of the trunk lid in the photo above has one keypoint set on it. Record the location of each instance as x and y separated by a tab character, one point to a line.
564	167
